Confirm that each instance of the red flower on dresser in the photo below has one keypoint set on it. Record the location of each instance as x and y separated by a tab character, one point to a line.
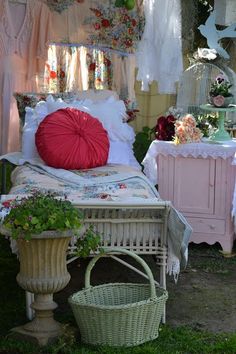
165	128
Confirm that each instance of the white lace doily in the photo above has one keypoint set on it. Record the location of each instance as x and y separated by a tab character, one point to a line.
203	149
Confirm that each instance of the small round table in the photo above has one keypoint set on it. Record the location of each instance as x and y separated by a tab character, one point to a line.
220	134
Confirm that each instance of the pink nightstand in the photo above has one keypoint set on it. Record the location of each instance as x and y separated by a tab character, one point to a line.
199	179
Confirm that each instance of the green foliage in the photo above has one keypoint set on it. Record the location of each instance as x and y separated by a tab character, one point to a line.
180	340
9	169
220	88
44	212
41	212
142	142
88	242
128	4
206	123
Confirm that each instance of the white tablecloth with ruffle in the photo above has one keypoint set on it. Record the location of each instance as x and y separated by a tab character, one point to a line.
204	149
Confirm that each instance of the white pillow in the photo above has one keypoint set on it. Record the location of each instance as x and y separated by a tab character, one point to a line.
110	113
121	152
96	95
29	149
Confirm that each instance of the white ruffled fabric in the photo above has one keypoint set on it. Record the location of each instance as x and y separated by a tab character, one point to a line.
204	149
159	53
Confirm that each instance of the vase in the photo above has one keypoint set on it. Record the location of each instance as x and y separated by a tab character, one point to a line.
43	272
220	134
221	101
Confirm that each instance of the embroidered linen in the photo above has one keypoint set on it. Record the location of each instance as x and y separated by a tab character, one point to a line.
159	54
99	23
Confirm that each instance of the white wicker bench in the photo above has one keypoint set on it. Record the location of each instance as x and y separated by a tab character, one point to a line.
141	228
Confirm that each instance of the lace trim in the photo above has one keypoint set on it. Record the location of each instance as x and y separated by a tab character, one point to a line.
205	150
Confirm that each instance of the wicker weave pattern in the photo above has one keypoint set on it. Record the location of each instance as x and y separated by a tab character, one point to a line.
120	314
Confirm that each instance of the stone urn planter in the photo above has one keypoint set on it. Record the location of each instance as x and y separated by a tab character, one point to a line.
43	272
42	226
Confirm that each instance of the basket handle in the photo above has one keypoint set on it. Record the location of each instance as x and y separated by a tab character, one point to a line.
109	251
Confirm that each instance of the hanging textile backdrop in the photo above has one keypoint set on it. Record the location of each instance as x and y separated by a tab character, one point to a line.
93	46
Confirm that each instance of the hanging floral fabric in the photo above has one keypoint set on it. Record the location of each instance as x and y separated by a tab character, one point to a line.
93	46
72	68
99	23
162	41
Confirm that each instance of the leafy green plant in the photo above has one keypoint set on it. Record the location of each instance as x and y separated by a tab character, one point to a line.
45	212
220	87
207	123
142	142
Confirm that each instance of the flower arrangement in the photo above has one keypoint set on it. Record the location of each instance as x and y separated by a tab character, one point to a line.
165	127
45	212
186	131
219	91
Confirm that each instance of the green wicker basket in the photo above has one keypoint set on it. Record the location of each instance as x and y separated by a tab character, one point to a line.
120	314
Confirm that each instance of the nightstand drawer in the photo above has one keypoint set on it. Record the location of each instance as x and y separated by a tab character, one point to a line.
213	226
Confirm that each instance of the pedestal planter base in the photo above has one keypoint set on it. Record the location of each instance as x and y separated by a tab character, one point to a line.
43	272
44	329
39	338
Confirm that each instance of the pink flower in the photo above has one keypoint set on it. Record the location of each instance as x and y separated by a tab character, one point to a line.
186	130
218	100
97	26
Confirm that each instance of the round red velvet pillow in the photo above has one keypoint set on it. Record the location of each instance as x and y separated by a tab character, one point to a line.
72	139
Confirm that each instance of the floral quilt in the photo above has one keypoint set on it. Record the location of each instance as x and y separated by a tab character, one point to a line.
110	183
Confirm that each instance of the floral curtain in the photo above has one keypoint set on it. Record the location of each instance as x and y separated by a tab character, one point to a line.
93	46
73	68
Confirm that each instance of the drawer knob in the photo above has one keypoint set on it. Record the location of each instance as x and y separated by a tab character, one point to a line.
212	227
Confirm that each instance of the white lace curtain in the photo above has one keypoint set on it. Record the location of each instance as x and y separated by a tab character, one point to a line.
159	54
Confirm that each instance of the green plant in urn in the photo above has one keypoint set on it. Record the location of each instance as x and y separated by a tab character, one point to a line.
43	226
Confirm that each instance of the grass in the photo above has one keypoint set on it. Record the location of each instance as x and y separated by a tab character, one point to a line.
212	260
184	340
181	340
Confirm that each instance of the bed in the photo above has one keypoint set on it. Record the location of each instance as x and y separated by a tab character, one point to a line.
116	197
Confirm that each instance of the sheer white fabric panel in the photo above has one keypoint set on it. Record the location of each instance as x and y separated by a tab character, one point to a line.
159	54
